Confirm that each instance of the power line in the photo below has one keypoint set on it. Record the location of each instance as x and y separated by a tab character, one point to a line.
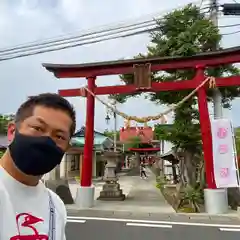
87	31
201	3
77	44
91	36
231	33
82	41
77	38
85	36
97	29
135	30
230	25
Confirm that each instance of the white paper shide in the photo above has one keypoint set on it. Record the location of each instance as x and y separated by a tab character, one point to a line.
224	154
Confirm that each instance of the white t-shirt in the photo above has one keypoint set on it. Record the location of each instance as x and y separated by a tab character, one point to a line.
25	212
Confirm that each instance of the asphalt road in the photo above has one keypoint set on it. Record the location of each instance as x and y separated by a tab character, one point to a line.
122	229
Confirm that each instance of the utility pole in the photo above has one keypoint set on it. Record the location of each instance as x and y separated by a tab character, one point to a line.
215	199
217	96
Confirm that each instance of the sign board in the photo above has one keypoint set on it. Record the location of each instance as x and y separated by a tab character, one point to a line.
224	154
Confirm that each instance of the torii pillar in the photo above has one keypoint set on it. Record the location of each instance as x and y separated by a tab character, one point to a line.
85	192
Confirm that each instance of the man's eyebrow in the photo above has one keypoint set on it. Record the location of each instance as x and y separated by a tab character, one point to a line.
60	130
57	129
63	132
41	120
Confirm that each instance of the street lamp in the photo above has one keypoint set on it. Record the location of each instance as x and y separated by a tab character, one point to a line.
107	119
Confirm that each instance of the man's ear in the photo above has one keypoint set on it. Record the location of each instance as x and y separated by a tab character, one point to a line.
11	131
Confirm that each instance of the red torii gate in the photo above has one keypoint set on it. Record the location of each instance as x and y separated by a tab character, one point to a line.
90	71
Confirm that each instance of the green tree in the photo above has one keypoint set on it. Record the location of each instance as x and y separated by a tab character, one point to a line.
183	32
110	134
4	120
133	142
237	139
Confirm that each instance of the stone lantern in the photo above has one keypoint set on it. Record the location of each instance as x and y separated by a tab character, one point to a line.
111	189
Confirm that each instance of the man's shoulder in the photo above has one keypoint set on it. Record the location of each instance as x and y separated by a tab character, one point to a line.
58	203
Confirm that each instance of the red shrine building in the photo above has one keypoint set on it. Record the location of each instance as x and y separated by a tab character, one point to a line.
145	136
140	142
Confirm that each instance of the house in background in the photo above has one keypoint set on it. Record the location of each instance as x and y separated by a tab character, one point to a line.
138	141
71	165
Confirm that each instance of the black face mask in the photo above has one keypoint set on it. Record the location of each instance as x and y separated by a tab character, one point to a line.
35	155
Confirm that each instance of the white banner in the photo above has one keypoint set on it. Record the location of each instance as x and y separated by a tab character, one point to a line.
224	154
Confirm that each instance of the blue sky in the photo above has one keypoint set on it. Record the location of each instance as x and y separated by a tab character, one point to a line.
22	21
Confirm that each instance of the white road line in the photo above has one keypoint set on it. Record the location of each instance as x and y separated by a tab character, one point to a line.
156	222
148	225
76	220
229	229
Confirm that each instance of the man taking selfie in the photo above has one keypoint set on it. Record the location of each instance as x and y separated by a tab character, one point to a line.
40	134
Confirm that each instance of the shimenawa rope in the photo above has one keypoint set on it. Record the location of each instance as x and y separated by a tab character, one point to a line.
212	84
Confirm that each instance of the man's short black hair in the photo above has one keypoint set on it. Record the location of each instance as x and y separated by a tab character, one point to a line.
50	100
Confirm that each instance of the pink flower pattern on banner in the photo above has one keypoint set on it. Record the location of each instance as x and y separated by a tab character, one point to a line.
224	172
223	148
222	132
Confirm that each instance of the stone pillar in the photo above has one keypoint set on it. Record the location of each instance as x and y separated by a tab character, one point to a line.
111	189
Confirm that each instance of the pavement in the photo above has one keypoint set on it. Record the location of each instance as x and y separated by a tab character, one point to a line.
144	214
143	201
142	196
118	229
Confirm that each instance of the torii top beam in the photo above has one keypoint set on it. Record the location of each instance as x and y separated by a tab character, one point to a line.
226	56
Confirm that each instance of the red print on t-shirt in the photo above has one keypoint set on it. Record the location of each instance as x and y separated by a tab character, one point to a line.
28	221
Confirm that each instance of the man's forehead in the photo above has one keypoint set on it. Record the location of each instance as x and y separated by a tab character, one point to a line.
54	118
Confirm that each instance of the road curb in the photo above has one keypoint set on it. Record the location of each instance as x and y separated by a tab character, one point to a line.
154	216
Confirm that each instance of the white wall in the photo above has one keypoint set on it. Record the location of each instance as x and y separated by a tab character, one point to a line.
51	175
65	167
